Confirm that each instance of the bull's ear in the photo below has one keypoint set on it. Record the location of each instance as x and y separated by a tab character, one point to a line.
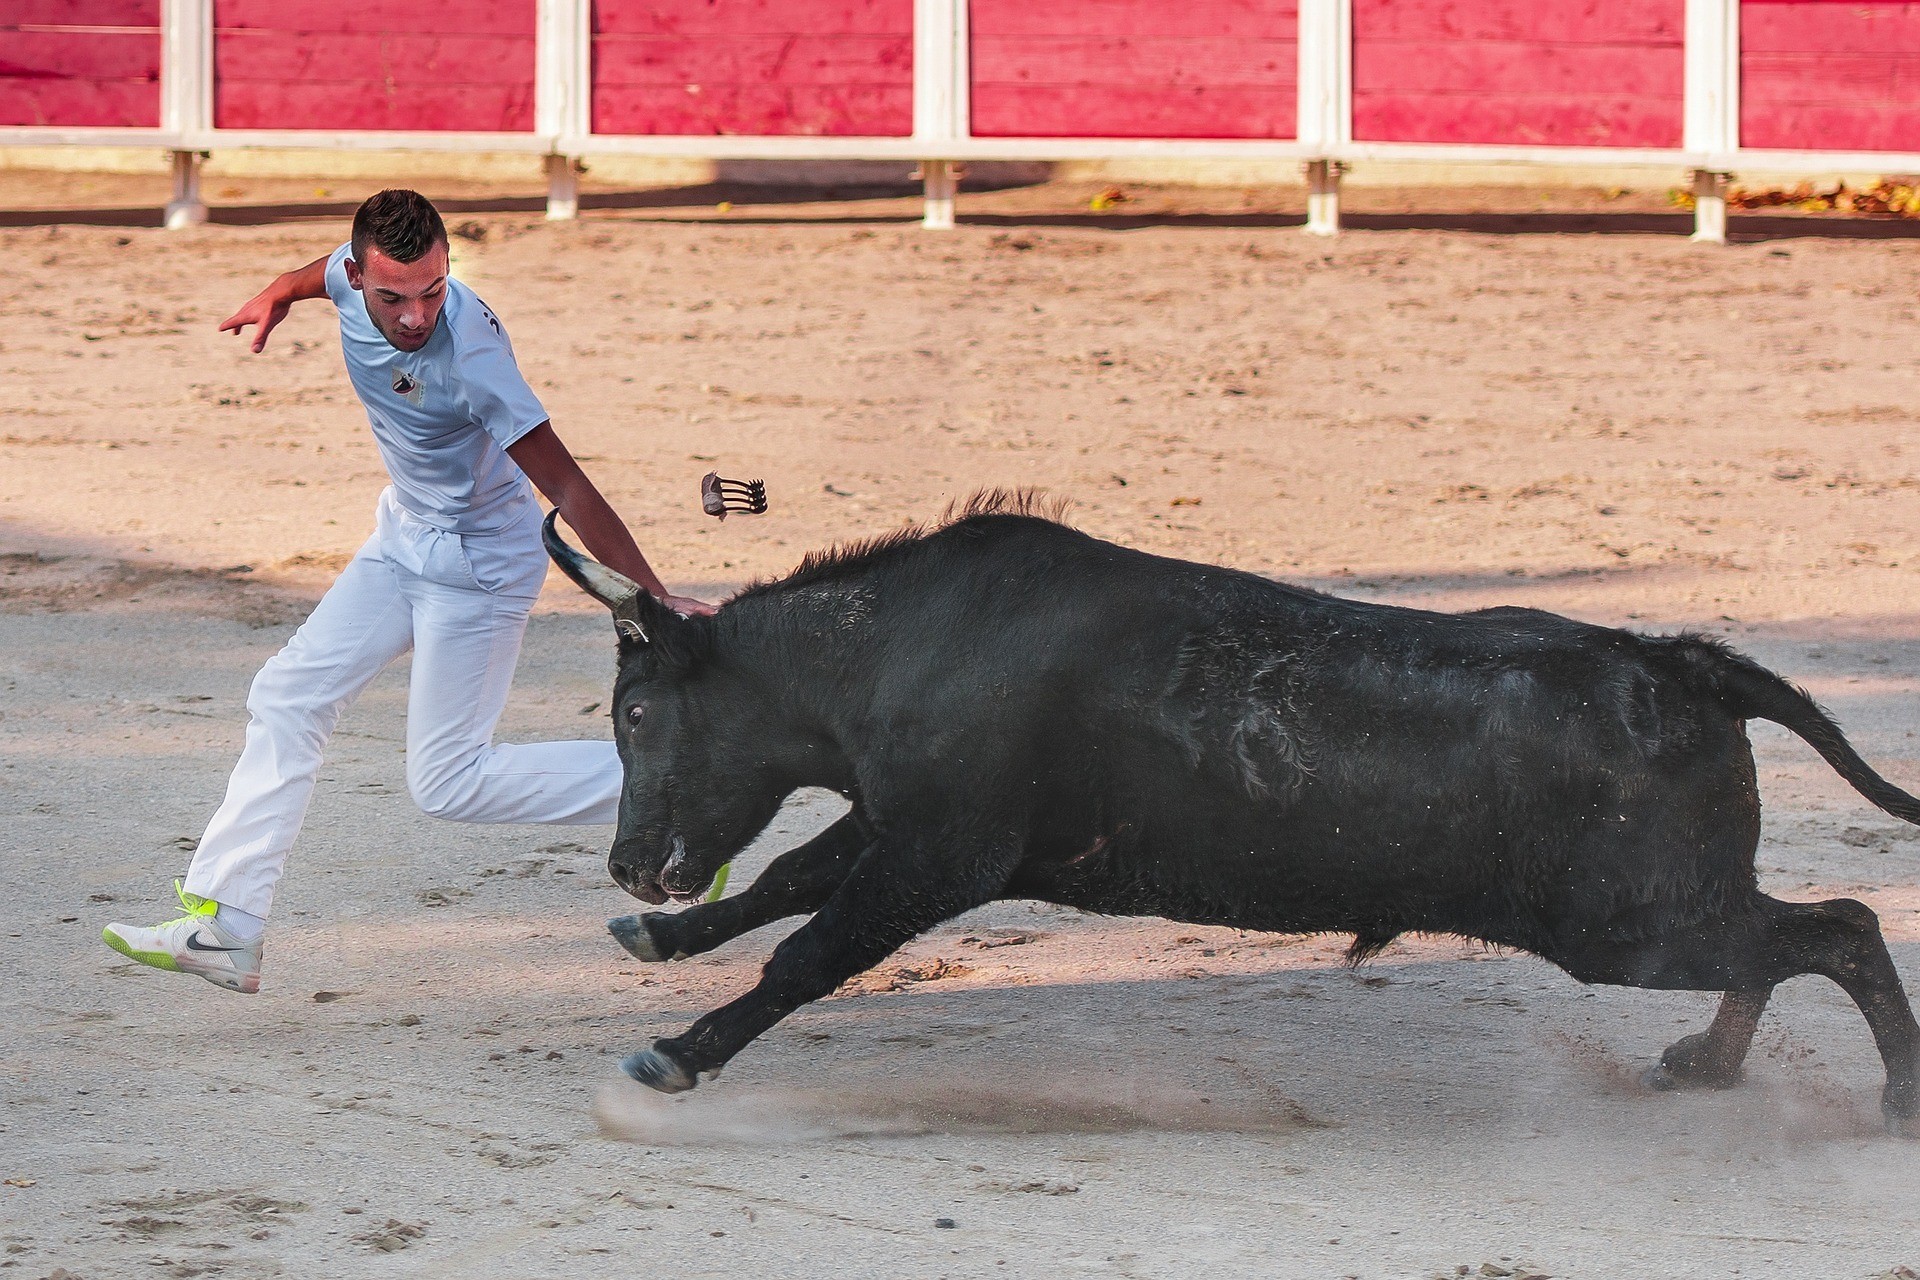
643	622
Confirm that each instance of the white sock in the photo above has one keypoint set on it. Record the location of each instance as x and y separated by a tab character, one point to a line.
241	926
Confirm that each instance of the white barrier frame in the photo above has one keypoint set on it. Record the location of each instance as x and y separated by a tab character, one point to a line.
563	93
941	141
186	98
1324	120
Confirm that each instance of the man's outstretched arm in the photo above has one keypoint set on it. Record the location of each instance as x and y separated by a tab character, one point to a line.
269	307
553	471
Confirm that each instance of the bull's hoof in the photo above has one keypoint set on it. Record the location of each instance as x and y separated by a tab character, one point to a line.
1659	1078
656	1070
1691	1064
632	933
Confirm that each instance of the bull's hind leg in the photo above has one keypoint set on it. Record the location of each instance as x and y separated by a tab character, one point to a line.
1755	951
1840	939
795	883
1711	1059
891	896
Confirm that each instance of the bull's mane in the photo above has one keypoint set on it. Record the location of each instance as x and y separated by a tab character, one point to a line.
848	556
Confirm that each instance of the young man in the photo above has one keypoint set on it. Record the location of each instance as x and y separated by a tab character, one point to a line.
451	572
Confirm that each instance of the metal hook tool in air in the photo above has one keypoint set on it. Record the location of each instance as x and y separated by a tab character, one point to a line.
718	496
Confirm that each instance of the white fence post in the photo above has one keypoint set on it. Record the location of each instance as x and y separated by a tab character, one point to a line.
563	95
939	180
186	99
1710	206
1326	104
942	108
1712	118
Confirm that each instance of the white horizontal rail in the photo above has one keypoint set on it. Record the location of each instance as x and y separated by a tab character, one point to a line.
726	147
1492	153
1878	162
743	147
32	135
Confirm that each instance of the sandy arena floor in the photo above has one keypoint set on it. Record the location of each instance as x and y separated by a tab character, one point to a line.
1440	410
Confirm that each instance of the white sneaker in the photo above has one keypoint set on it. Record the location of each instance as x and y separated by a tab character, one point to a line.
195	943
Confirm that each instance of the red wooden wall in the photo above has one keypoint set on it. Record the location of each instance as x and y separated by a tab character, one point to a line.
1135	68
765	67
1821	76
1838	75
80	62
1587	73
373	64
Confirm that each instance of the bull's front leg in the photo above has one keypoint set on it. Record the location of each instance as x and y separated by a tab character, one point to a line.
892	895
796	883
1711	1059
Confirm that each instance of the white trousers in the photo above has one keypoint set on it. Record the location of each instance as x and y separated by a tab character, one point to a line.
461	604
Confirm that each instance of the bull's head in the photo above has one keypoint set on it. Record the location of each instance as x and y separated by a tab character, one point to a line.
701	777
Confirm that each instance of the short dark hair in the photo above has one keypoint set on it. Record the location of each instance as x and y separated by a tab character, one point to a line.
402	224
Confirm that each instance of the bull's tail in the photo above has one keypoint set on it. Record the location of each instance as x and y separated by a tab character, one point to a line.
1752	692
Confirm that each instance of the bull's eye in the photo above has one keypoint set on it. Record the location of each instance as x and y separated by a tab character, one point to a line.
635	713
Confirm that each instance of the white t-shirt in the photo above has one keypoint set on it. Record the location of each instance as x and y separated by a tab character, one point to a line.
444	415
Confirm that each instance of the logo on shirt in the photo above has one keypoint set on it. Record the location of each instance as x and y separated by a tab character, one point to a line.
490	320
407	387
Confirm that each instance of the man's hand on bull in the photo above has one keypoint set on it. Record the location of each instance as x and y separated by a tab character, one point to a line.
688	607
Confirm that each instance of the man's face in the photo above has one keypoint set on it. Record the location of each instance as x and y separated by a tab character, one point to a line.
403	298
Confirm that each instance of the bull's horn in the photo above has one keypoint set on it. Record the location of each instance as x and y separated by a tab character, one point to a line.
609	587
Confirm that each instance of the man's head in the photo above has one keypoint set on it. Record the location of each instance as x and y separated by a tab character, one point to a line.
399	264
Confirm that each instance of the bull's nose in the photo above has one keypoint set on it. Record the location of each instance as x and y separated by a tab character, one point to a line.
640	886
674	874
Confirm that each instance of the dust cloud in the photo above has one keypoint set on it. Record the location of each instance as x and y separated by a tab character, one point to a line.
1014	1104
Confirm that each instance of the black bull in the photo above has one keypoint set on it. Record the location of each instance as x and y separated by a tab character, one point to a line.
1018	710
